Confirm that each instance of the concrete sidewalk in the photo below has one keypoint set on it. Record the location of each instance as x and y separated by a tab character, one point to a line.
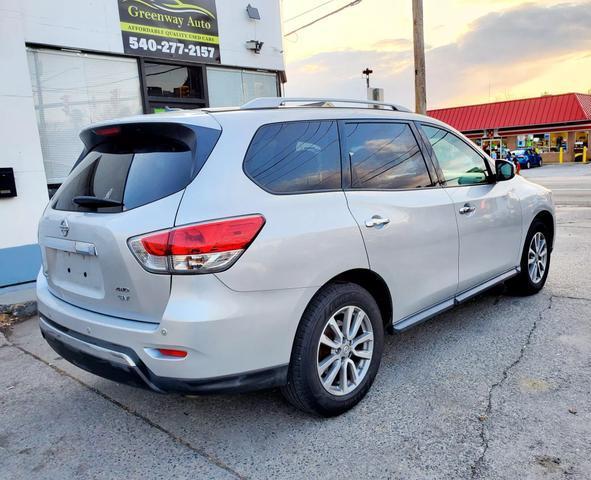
16	304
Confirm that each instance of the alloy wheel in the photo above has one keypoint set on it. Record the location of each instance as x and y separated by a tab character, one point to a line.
345	350
537	257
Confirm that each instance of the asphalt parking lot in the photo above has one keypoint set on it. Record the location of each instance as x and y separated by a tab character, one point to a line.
497	388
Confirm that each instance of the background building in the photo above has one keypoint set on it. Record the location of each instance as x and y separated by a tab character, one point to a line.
69	63
546	123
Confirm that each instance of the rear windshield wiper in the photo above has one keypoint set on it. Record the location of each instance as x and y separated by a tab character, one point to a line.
95	202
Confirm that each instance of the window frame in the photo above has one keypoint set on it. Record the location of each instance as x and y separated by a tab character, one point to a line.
298	192
194	102
346	160
433	156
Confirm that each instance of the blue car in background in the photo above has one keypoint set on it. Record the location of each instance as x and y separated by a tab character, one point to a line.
527	157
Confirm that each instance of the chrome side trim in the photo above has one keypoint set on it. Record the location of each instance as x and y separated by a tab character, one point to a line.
71	246
84	248
94	350
423	315
420	317
462	297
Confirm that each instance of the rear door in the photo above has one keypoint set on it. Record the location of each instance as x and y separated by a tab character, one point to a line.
407	220
131	181
488	213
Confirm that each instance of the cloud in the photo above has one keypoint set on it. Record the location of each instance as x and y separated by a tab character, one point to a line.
393	44
504	48
314	68
525	32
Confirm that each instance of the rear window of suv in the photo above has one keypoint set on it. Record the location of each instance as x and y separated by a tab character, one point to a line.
135	167
295	157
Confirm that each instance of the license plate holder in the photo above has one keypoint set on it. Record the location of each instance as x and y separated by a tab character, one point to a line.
76	273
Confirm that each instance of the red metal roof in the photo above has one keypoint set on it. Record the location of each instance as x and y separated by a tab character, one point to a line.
550	109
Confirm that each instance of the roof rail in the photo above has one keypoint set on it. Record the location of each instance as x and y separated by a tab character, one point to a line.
276	102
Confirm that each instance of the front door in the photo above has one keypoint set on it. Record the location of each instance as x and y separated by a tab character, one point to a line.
407	221
488	213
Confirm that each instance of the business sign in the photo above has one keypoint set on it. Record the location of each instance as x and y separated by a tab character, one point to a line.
174	29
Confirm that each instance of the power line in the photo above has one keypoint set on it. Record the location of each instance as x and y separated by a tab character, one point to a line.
351	4
308	11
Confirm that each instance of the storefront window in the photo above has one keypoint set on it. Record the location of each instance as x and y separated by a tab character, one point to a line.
233	87
539	141
557	140
495	147
582	138
173	81
257	84
73	90
224	87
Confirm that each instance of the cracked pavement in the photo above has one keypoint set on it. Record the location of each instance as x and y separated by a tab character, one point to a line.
497	388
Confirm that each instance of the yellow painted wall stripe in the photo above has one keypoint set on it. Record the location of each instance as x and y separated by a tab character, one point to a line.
169	33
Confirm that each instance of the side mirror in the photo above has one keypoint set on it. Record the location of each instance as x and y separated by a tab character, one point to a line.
505	170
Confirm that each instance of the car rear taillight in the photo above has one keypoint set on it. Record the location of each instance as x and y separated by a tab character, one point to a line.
201	248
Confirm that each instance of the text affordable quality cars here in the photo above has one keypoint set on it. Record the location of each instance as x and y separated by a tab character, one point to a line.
174	29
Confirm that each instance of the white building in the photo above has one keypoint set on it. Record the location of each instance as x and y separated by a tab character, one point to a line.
68	63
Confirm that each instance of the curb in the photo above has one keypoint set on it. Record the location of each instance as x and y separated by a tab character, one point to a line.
16	312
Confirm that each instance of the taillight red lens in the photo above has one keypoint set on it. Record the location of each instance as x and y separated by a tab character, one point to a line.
107	131
156	244
201	248
169	352
232	234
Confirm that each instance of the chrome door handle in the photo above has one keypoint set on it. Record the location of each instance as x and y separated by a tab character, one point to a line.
467	208
376	221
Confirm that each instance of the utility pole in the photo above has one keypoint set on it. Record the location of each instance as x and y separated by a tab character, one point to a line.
419	49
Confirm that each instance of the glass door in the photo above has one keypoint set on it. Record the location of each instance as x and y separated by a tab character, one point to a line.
170	86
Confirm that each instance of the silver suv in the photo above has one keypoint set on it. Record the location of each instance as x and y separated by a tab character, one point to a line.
272	245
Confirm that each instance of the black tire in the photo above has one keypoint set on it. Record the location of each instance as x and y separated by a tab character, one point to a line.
304	389
523	284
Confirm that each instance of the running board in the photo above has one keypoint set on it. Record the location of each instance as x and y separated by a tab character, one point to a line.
420	317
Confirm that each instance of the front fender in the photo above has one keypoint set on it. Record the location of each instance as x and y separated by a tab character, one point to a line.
534	199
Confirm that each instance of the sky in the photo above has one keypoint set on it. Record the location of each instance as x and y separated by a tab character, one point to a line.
476	50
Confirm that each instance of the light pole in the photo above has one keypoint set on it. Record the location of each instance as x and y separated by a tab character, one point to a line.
367	72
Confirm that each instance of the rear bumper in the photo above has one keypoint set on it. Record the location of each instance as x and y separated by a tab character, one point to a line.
122	365
234	340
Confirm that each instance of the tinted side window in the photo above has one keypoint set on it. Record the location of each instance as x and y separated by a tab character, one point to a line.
385	156
295	157
459	163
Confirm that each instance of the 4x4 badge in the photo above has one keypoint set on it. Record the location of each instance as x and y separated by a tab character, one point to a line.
64	227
